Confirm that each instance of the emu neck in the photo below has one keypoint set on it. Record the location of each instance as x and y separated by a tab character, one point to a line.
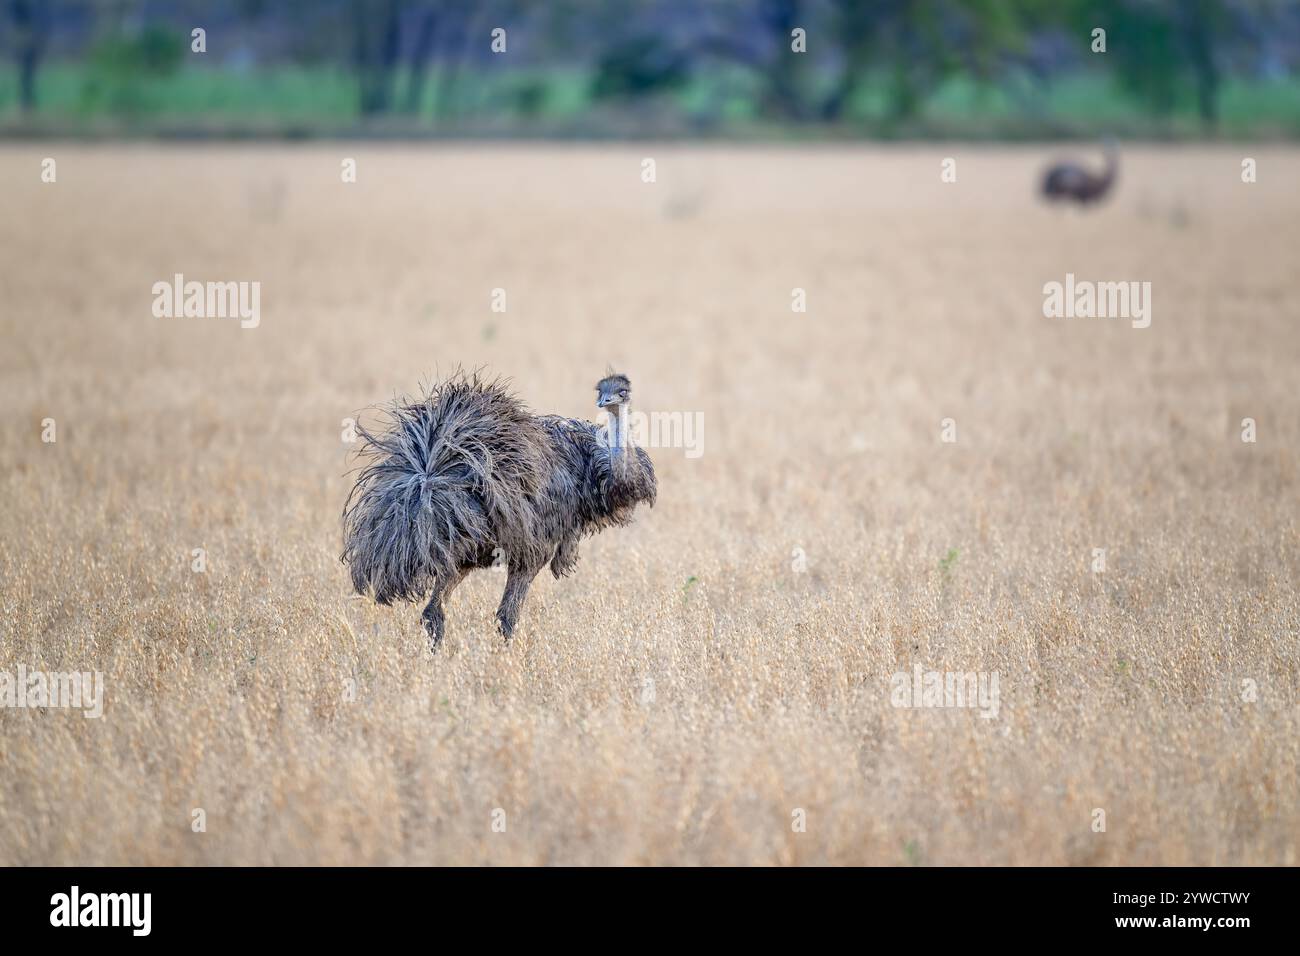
1112	165
618	438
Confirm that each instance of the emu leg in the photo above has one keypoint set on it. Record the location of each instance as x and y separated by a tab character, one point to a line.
512	601
434	621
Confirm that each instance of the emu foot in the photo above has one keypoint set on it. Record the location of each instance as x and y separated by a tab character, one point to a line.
433	627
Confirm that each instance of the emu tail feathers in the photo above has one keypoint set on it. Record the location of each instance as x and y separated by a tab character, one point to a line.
453	474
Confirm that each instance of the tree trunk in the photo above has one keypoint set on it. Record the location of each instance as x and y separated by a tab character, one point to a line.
1207	78
425	41
453	55
375	53
29	40
783	98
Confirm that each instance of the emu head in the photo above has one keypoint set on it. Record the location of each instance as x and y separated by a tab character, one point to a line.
613	389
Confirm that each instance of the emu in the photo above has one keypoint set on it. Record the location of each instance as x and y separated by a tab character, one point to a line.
1070	181
467	477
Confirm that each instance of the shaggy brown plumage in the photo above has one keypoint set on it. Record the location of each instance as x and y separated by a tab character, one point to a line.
1070	181
466	477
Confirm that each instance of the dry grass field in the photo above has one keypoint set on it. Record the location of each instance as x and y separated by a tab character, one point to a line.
727	660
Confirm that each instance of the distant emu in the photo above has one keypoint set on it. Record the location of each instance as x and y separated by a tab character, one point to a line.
466	477
1070	181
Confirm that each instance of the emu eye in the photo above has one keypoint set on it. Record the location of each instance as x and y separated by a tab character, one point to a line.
622	393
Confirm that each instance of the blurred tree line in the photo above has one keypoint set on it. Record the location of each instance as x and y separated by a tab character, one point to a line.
789	62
